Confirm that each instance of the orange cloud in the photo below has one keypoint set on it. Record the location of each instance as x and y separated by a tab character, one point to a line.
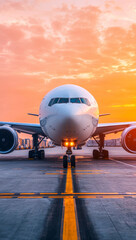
69	45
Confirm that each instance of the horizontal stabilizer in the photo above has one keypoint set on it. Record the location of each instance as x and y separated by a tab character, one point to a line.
105	114
33	114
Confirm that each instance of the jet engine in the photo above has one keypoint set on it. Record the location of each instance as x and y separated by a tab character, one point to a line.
8	139
128	139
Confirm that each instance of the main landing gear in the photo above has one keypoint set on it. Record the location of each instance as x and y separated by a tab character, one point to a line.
69	158
101	153
35	153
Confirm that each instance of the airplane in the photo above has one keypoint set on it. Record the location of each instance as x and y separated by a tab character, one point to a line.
68	115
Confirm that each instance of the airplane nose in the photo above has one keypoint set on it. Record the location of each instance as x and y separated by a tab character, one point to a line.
70	124
70	110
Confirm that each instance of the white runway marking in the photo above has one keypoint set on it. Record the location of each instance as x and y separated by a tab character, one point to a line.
118	161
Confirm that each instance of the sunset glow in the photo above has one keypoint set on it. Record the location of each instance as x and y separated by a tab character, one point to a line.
47	43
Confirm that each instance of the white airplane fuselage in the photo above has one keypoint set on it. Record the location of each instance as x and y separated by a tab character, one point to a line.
69	112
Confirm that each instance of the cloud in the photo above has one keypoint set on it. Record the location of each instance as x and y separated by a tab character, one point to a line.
59	46
69	45
10	33
78	45
124	106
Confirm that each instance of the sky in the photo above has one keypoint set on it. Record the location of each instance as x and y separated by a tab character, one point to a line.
47	43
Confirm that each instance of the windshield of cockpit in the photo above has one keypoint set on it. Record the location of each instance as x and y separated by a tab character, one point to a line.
69	100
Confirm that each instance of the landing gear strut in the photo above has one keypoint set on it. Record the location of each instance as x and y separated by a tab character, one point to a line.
101	153
69	157
35	153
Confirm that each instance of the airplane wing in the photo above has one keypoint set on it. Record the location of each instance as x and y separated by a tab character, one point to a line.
106	128
29	128
102	128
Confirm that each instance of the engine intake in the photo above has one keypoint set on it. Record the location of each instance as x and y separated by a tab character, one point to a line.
128	139
8	139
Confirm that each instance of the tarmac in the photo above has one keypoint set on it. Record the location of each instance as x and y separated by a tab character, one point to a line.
40	200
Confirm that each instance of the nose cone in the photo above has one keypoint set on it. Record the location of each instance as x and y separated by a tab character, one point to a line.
65	123
74	123
70	126
69	122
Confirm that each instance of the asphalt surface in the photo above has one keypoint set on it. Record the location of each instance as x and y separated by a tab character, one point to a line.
40	200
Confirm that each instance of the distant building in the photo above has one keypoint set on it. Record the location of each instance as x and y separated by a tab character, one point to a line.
108	143
28	143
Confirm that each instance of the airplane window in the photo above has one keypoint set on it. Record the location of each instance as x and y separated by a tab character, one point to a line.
63	100
75	100
58	100
55	101
85	101
66	100
51	102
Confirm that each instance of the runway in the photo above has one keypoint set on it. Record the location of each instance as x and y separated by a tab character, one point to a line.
40	200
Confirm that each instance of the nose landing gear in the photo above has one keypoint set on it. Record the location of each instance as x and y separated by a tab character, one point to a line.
69	158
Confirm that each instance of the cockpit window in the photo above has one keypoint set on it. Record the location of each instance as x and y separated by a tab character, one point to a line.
55	100
85	101
51	102
67	100
58	100
63	100
75	100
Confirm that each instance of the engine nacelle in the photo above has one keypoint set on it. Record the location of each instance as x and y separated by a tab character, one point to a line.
8	139
128	139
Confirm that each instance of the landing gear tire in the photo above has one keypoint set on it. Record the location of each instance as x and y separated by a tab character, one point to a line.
96	154
73	164
65	161
105	154
31	154
41	154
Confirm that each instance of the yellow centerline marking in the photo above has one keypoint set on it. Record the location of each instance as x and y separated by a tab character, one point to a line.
69	222
130	193
95	193
5	197
104	196
113	196
68	199
69	184
69	194
6	193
